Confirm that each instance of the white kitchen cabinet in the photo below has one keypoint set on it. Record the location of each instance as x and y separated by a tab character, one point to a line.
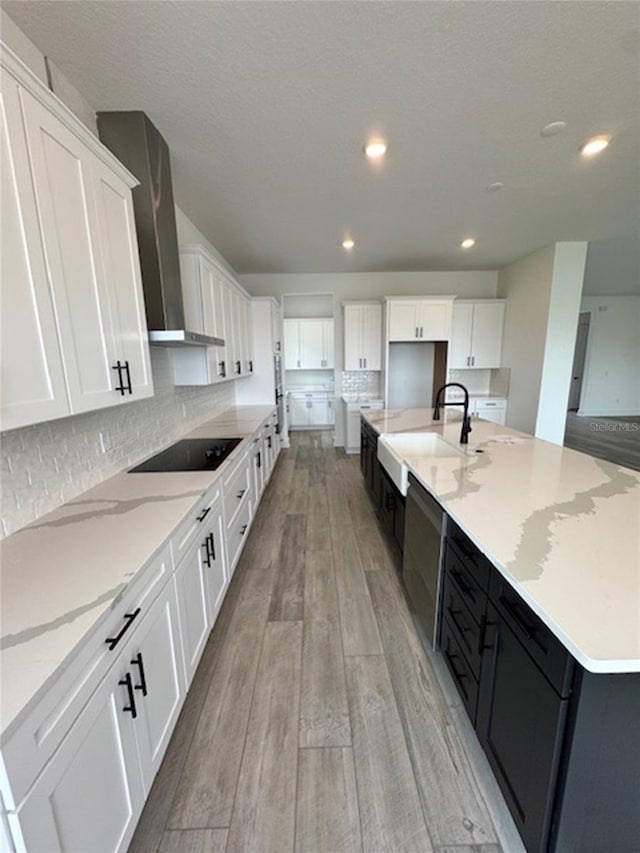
309	344
95	784
491	410
83	229
362	336
353	411
476	337
193	608
32	379
419	319
203	298
310	409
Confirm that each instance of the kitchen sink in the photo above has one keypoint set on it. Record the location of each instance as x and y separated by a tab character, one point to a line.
190	454
394	448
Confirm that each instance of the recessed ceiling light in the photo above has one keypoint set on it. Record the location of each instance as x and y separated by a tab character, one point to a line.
467	243
348	244
375	149
595	145
495	186
553	128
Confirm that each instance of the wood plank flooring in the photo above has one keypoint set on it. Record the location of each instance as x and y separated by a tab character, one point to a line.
616	439
316	723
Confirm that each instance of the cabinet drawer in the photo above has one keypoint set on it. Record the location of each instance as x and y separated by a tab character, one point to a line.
235	487
460	670
467	631
194	523
35	740
474	560
237	533
555	662
462	573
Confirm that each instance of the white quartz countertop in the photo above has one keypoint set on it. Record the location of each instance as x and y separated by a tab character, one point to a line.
63	573
562	527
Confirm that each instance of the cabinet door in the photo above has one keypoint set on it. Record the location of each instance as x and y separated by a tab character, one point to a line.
327	344
213	316
435	321
90	794
311	344
215	574
119	252
318	411
491	411
486	341
31	375
403	321
372	337
154	660
192	602
298	412
292	345
460	344
520	725
61	168
353	337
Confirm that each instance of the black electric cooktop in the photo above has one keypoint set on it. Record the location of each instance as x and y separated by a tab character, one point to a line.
190	454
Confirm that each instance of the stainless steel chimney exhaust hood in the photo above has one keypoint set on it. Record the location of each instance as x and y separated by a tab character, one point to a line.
137	143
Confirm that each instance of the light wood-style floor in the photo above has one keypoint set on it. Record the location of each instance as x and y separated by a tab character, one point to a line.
614	439
316	723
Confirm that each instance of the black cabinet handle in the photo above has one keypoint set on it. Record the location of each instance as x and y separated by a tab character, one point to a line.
389	502
465	589
223	369
128	388
451	656
129	617
269	442
203	514
511	608
131	707
137	661
238	368
207	553
250	366
212	546
240	494
259	459
243	529
120	386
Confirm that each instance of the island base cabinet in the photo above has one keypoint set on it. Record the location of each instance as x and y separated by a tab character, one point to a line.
520	724
91	793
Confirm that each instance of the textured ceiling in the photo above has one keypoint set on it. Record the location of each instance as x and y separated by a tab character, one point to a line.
265	107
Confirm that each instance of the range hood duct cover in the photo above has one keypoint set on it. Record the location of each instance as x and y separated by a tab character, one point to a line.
137	143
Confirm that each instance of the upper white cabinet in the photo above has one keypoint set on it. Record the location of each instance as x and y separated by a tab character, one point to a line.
476	338
419	319
362	336
72	302
308	344
213	305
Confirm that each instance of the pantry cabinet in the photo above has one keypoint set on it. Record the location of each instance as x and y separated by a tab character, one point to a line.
78	237
476	336
308	344
362	336
419	319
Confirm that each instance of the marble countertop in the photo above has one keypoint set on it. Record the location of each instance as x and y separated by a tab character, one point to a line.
362	398
63	573
562	527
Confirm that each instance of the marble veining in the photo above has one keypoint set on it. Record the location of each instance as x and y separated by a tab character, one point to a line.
562	527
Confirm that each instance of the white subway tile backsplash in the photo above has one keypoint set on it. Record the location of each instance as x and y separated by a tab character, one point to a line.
361	382
46	465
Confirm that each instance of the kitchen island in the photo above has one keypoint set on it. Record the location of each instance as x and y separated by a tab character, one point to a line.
539	614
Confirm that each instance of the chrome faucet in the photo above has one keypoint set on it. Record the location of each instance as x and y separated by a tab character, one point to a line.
466	420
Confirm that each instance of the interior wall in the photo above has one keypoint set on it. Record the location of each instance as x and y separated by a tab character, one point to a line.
562	326
611	380
526	285
612	268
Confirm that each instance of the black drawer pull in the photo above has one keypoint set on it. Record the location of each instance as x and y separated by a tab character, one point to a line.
238	368
137	661
451	656
243	529
512	609
120	386
466	552
129	617
131	707
223	370
241	494
211	546
203	514
206	560
465	589
461	627
259	461
128	388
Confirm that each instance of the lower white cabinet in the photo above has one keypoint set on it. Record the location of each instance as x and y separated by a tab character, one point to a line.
90	794
310	409
491	410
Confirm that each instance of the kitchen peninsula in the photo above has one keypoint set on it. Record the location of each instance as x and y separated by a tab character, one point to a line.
540	568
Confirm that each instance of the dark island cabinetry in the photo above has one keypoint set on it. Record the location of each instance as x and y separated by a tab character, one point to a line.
563	743
389	503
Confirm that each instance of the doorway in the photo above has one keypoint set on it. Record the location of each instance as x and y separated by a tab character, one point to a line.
579	358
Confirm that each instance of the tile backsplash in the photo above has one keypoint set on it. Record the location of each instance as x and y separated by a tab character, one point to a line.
361	382
46	465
